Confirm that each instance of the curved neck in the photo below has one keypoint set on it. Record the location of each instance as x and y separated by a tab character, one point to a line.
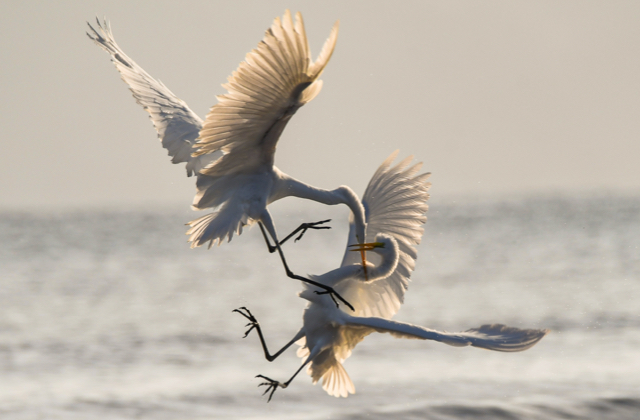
386	267
288	186
357	211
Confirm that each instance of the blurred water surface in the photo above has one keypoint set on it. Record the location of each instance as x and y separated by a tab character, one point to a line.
110	315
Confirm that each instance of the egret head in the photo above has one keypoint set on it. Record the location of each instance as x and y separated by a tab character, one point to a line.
385	246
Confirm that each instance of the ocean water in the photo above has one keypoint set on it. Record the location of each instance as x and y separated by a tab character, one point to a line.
110	315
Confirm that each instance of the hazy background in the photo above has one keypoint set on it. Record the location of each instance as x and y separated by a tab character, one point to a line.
497	98
525	112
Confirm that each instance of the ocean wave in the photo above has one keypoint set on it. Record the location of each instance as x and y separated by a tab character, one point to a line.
621	408
230	406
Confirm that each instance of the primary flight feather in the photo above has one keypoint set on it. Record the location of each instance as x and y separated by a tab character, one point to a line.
232	151
395	203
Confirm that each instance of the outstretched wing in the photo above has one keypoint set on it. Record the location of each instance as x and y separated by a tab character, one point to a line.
496	337
177	126
395	204
276	79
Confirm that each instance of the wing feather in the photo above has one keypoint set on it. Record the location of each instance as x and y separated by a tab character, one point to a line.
395	204
496	337
335	380
264	92
177	126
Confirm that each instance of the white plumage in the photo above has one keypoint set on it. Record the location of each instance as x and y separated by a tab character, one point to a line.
395	206
232	151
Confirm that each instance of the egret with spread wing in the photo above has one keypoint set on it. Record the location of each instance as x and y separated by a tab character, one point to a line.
395	207
232	151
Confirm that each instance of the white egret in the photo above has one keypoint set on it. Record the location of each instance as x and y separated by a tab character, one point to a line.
395	206
232	151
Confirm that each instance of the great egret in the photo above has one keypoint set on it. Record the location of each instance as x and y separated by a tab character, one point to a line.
232	152
395	204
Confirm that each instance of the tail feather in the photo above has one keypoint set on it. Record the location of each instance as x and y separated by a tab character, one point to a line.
335	380
215	227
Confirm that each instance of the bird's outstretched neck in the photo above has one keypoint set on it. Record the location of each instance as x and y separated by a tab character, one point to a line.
287	186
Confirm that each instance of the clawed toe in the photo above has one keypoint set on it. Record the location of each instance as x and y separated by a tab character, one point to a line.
253	322
332	293
246	333
313	225
270	384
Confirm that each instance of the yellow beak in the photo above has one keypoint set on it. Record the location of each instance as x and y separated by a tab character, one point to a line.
363	248
366	247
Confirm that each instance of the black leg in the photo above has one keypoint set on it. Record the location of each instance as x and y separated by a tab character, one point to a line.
303	227
273	385
290	273
327	289
253	323
271	248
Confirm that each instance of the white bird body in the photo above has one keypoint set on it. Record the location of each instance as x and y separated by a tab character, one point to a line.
395	206
232	150
389	254
243	199
329	335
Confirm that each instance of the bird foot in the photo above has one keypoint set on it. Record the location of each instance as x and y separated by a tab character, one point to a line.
253	322
313	225
271	385
331	295
326	289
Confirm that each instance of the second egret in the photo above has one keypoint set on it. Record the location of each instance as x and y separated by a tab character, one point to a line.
395	205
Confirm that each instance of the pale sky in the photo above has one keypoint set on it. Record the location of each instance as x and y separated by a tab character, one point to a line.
496	98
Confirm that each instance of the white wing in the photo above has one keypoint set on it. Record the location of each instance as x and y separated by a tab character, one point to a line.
395	203
276	79
177	125
496	337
